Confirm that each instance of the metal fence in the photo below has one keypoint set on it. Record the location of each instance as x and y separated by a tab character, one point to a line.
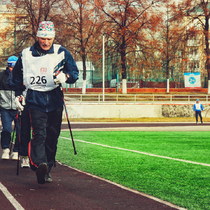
134	98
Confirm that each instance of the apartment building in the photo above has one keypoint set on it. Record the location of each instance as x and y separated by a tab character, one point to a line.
192	56
7	33
11	24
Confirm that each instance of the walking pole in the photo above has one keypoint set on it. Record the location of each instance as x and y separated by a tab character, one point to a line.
69	124
75	152
20	100
19	143
13	134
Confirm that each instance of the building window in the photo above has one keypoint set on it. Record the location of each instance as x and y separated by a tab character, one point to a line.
193	65
193	40
5	22
192	51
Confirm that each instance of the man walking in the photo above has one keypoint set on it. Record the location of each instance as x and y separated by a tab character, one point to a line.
198	108
42	68
8	111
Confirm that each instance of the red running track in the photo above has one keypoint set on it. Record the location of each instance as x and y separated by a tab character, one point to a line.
70	189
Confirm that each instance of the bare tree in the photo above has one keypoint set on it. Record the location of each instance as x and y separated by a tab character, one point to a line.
173	38
198	15
26	17
82	26
127	23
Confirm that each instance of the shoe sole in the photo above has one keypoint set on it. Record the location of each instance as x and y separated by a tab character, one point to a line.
41	171
48	180
5	158
25	166
15	157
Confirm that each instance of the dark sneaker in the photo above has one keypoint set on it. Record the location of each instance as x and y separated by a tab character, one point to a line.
41	171
48	178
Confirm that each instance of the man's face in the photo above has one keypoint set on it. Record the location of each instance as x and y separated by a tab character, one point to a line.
10	69
45	43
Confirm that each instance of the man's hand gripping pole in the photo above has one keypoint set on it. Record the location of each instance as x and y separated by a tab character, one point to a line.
59	78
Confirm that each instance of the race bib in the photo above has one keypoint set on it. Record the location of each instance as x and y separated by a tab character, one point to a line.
38	71
198	106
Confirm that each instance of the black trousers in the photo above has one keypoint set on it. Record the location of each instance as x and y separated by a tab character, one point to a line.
25	134
7	117
46	128
198	113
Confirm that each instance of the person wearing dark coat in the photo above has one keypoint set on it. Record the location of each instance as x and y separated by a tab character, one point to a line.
42	69
8	111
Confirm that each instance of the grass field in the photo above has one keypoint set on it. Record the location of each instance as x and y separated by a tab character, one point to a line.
129	160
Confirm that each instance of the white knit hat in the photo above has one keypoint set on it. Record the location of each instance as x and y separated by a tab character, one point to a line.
46	29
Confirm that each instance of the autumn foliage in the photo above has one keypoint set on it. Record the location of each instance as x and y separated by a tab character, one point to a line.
143	38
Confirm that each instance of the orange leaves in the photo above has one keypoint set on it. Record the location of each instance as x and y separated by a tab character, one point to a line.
186	59
131	22
155	22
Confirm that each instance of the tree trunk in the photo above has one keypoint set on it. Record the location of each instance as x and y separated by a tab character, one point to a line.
124	86
84	72
123	66
167	86
84	87
206	34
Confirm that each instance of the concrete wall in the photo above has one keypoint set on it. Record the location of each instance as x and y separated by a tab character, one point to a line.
132	110
113	111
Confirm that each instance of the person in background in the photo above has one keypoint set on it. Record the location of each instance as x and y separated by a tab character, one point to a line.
25	131
198	108
8	111
42	68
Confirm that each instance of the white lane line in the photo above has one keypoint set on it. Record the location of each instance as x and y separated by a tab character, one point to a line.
126	188
12	200
143	153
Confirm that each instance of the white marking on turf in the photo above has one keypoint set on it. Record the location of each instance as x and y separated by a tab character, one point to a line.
143	153
125	188
12	200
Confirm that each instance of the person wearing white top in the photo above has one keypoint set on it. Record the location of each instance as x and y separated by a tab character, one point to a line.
41	69
198	108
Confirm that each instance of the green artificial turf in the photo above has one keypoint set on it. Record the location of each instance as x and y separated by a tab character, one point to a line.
184	184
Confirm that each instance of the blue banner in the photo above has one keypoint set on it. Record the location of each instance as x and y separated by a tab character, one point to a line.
192	80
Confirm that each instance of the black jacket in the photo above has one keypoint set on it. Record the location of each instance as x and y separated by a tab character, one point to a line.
49	100
7	96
